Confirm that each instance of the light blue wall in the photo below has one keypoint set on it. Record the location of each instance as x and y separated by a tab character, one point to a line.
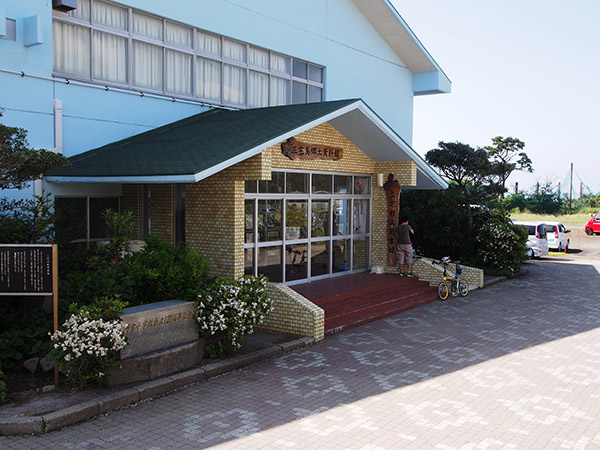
333	33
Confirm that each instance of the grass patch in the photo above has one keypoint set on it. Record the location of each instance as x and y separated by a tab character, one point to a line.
573	219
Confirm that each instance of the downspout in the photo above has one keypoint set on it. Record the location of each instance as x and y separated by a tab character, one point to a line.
58	139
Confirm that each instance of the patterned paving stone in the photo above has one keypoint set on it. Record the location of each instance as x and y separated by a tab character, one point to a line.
513	366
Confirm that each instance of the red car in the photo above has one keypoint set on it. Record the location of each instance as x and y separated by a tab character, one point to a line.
593	225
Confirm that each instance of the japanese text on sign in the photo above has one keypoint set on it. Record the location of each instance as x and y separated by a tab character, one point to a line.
26	269
295	149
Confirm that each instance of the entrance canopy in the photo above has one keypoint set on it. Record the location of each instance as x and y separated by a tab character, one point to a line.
202	145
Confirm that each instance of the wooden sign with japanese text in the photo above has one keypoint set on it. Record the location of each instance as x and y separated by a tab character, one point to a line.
392	192
26	270
31	269
295	149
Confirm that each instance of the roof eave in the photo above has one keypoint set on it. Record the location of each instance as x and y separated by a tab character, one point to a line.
386	20
386	135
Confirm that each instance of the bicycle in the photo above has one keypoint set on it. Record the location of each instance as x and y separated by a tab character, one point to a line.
452	283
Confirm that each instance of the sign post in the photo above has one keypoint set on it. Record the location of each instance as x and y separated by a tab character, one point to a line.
392	191
31	269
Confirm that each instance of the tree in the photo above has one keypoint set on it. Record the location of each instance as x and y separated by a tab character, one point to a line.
25	220
20	164
506	156
467	167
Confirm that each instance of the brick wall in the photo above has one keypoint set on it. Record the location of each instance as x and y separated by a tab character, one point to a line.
293	314
161	210
130	201
214	210
406	174
353	159
433	273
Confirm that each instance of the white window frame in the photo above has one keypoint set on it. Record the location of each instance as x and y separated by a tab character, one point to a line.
309	196
194	53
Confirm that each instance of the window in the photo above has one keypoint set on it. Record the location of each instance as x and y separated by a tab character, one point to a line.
304	225
102	42
72	52
81	218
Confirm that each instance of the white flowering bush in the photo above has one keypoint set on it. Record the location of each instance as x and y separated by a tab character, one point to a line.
86	347
227	310
501	245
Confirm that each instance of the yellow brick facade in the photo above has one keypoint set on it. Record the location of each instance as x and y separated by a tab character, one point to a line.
214	217
293	314
433	273
131	201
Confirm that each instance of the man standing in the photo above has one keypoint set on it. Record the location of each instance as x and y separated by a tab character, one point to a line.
404	248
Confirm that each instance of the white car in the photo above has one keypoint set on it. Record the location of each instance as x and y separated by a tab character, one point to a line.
558	236
537	239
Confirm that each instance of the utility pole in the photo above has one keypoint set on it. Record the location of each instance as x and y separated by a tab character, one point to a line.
571	190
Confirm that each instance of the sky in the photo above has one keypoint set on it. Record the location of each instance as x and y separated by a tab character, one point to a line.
529	69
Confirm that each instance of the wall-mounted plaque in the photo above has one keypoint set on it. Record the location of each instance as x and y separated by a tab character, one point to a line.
295	149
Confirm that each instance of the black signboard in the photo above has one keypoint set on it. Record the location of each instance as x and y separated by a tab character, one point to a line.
26	270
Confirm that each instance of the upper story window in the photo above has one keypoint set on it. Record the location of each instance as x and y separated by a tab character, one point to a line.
105	43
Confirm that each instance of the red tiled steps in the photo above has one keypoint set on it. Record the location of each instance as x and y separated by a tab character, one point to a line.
354	300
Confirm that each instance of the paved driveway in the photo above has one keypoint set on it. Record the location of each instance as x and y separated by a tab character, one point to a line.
516	365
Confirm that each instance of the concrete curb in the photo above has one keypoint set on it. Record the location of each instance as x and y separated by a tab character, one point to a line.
495	280
142	391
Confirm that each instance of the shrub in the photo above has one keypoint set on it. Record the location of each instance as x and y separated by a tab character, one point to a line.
24	334
101	279
87	345
229	309
3	389
440	223
160	271
500	245
163	271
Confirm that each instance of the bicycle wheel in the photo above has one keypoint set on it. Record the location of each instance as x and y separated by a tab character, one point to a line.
443	290
463	288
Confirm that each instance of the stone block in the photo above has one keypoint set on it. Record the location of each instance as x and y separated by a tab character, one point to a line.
31	364
157	364
21	425
73	414
47	363
159	326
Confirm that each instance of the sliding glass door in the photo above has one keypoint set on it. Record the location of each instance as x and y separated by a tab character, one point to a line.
303	226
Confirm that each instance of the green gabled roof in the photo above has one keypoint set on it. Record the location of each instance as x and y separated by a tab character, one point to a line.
197	143
202	145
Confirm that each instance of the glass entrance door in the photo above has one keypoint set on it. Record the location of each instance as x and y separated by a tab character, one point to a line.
303	226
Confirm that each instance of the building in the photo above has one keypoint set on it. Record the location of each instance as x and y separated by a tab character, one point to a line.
259	131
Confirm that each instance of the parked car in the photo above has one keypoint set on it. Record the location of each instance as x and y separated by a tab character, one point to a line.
593	225
557	236
537	239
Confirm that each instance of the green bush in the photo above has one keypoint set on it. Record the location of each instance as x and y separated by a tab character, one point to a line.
442	229
102	279
500	246
440	223
87	345
229	309
24	334
162	271
3	389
